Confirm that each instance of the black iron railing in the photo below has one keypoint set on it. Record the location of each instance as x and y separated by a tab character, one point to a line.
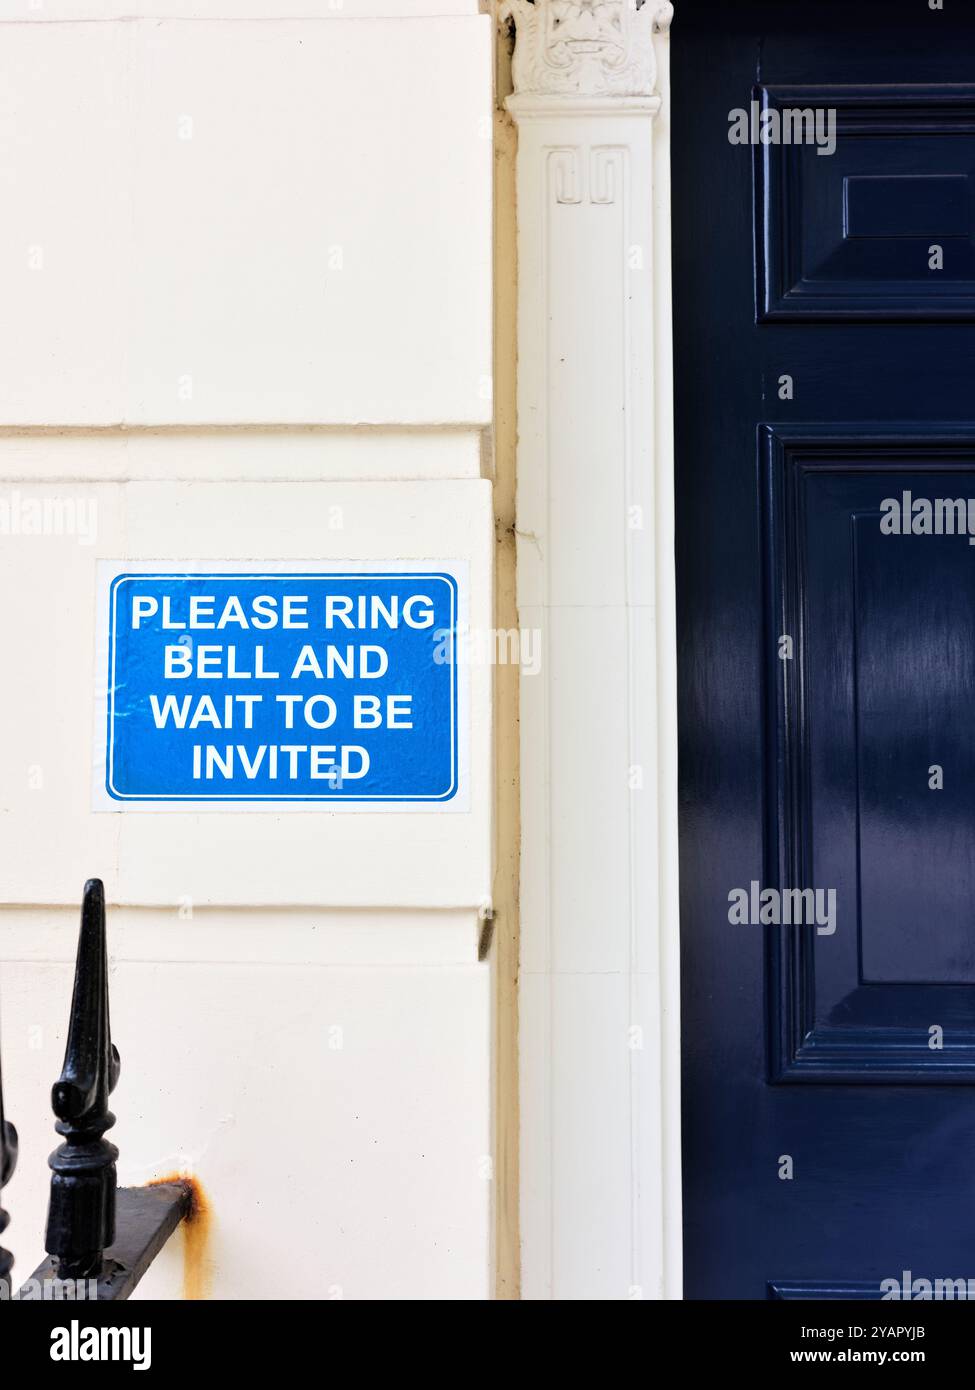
100	1239
8	1160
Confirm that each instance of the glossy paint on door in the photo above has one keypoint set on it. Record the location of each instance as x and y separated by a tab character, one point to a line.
825	366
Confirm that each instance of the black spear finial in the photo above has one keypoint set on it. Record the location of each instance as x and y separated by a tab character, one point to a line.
8	1162
81	1217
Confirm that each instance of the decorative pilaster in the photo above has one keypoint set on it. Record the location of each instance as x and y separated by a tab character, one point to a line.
599	974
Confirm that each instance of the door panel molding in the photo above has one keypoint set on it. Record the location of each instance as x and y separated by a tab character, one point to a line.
808	470
831	1289
842	236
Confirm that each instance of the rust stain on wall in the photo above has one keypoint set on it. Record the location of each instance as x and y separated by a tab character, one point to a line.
196	1227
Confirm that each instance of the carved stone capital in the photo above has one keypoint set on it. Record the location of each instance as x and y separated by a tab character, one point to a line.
585	48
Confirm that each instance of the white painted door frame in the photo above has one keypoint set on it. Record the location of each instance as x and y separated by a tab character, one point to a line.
599	980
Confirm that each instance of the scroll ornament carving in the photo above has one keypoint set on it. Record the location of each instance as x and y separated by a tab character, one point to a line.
588	48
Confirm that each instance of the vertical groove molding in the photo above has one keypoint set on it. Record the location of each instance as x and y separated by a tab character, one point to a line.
599	980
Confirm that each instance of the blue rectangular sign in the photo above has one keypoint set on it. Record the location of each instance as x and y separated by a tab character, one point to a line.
315	687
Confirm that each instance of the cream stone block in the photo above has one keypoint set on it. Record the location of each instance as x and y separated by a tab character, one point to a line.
53	839
246	222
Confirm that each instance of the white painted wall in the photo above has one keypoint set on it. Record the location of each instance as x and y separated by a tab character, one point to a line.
216	340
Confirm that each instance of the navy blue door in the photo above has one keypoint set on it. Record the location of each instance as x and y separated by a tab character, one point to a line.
825	370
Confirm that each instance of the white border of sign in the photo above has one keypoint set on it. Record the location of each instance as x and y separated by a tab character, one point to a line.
110	570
